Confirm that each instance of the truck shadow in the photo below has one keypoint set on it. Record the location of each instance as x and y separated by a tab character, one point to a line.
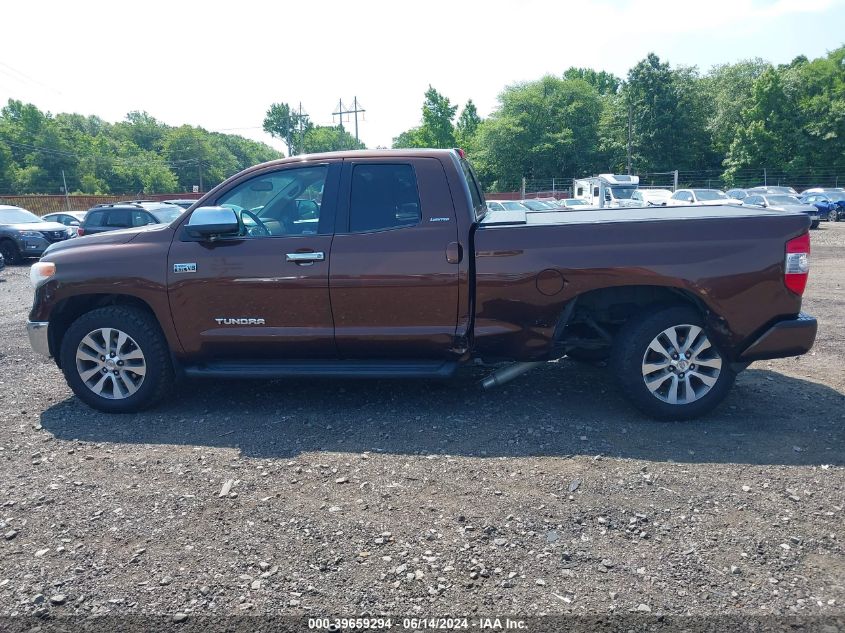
559	410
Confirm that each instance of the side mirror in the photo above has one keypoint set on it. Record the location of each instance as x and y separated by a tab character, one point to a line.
210	223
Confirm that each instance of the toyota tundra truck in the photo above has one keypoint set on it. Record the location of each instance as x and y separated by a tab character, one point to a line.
387	264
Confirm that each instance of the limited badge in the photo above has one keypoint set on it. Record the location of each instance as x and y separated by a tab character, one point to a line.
184	268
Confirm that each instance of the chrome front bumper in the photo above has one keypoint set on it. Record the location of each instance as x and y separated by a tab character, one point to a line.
37	331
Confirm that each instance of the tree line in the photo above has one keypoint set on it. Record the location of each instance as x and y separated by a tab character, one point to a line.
135	156
732	121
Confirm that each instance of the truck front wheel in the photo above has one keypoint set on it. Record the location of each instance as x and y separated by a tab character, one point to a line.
116	359
668	366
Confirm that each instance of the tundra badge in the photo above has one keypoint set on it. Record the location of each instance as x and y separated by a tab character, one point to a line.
241	321
185	268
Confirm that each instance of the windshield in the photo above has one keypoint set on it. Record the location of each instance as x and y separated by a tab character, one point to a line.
657	193
709	194
513	206
836	197
575	203
783	200
167	214
17	216
622	193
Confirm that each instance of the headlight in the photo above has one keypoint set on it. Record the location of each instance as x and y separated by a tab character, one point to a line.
30	234
41	272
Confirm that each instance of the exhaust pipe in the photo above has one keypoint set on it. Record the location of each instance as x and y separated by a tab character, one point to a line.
506	374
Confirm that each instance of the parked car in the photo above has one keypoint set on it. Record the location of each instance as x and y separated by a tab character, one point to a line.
773	189
408	276
737	194
23	234
505	205
830	204
701	197
68	218
539	205
180	202
124	215
648	198
576	204
822	190
783	202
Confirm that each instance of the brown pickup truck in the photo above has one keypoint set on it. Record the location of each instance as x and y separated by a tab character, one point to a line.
386	264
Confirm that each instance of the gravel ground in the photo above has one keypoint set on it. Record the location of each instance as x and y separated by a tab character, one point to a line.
548	496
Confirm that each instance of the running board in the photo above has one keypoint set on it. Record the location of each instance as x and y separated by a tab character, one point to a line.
261	368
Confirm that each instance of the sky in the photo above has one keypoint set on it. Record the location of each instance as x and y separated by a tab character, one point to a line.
220	65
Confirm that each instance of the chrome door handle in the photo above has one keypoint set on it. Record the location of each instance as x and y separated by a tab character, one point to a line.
306	257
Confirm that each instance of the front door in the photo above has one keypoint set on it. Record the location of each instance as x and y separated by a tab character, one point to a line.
264	293
395	261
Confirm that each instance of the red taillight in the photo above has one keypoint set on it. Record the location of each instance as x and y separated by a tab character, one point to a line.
461	152
80	231
796	267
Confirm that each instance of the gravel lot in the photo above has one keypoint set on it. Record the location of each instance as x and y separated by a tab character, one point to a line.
549	496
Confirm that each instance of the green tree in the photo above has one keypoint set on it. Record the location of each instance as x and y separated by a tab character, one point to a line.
729	90
409	138
437	114
467	126
287	124
604	82
771	135
669	117
323	138
541	129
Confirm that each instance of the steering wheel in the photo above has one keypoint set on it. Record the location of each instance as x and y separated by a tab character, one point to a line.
260	226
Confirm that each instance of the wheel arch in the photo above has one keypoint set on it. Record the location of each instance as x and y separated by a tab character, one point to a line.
592	318
69	309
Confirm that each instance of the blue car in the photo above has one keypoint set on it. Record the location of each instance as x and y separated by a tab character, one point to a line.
831	204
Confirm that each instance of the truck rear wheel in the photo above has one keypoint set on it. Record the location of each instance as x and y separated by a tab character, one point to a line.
116	359
667	365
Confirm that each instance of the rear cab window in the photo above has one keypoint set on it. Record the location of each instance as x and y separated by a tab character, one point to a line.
383	197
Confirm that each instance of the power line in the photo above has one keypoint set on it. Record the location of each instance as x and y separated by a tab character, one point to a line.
355	110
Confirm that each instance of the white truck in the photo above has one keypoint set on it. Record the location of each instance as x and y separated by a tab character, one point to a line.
605	190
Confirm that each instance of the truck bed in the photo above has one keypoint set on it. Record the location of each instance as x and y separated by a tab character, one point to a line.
603	216
729	259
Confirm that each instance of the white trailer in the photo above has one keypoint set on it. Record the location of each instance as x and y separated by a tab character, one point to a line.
605	190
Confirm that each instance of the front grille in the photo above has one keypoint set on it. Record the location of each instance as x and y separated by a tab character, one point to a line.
55	236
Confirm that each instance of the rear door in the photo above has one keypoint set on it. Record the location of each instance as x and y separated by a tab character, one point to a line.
394	278
265	293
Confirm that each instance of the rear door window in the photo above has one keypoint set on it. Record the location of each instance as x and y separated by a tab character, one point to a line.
383	196
95	218
119	218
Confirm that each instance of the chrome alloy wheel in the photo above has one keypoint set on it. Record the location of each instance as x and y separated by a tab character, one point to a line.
681	365
110	363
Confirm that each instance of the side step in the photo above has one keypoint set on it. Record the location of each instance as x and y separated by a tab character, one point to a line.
262	368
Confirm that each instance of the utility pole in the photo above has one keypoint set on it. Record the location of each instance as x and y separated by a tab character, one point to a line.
67	199
199	165
630	115
301	129
355	110
675	181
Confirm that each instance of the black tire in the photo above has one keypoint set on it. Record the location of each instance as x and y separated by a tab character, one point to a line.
815	224
629	355
833	215
9	251
144	330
